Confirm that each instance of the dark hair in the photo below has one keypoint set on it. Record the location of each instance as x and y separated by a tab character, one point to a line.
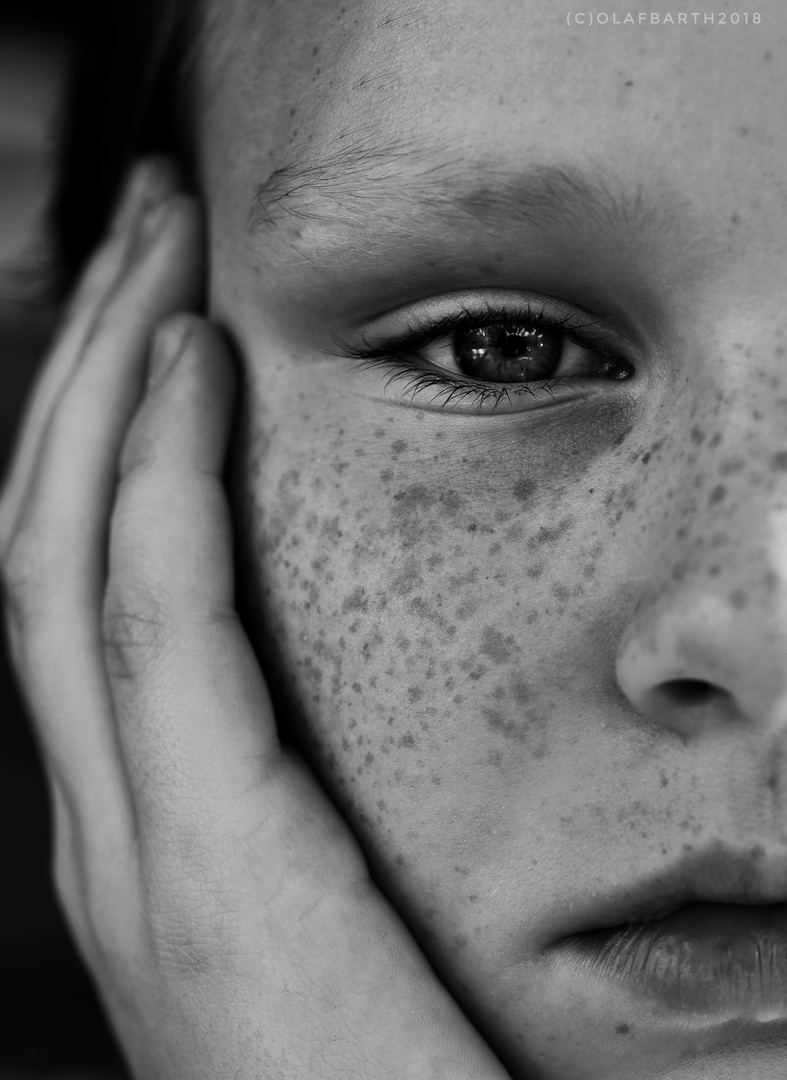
124	99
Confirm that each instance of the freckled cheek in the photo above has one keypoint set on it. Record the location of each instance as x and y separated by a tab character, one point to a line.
441	634
432	597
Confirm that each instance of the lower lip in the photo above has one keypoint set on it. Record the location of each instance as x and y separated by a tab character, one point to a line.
706	958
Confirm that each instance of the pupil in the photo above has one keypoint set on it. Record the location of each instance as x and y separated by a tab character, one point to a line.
505	354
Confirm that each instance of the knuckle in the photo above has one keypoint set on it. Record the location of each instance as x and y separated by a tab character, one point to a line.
23	582
136	629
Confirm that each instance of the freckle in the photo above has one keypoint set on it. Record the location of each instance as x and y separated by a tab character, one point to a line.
356	601
719	494
622	1029
498	722
399	446
495	646
714	570
522	691
546	535
697	436
778	462
524	488
414	693
770	580
406	740
645	459
315	50
679	571
738	599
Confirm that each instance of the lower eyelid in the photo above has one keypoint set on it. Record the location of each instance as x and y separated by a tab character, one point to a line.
476	397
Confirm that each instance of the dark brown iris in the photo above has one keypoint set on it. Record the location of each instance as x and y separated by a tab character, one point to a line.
509	354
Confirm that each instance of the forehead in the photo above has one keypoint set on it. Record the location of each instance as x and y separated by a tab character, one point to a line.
321	99
423	66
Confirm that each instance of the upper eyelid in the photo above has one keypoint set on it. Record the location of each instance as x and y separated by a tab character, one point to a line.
580	325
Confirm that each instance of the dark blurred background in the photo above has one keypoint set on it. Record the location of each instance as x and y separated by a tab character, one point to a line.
50	1022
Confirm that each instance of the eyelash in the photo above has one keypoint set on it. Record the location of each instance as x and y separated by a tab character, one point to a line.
399	355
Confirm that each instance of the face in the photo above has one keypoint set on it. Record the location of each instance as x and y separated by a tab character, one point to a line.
509	296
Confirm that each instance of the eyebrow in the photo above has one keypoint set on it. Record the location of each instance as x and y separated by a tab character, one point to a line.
359	184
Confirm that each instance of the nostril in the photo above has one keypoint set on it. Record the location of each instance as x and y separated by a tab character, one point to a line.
695	695
690	693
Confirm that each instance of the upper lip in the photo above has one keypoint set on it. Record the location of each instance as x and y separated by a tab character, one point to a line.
715	875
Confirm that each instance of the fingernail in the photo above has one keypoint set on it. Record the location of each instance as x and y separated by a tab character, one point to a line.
169	341
148	184
152	221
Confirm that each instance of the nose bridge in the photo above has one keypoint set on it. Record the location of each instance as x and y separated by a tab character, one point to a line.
711	627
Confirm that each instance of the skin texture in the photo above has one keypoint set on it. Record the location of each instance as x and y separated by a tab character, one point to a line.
476	620
221	903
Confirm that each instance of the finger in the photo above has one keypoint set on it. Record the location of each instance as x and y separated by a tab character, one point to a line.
55	563
148	184
194	715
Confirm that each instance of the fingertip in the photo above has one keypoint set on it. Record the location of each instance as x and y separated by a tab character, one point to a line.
169	249
148	183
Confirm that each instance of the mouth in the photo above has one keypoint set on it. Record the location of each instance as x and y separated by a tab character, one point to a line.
709	939
702	958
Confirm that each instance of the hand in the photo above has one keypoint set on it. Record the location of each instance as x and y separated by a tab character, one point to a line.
219	900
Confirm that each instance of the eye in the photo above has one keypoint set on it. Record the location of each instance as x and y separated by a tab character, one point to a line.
508	353
519	352
484	354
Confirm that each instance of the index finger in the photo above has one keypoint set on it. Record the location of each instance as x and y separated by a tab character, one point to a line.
149	182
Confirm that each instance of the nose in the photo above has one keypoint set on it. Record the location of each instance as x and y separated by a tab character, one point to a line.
707	645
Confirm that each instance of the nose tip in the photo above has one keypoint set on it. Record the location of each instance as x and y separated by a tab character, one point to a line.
696	662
